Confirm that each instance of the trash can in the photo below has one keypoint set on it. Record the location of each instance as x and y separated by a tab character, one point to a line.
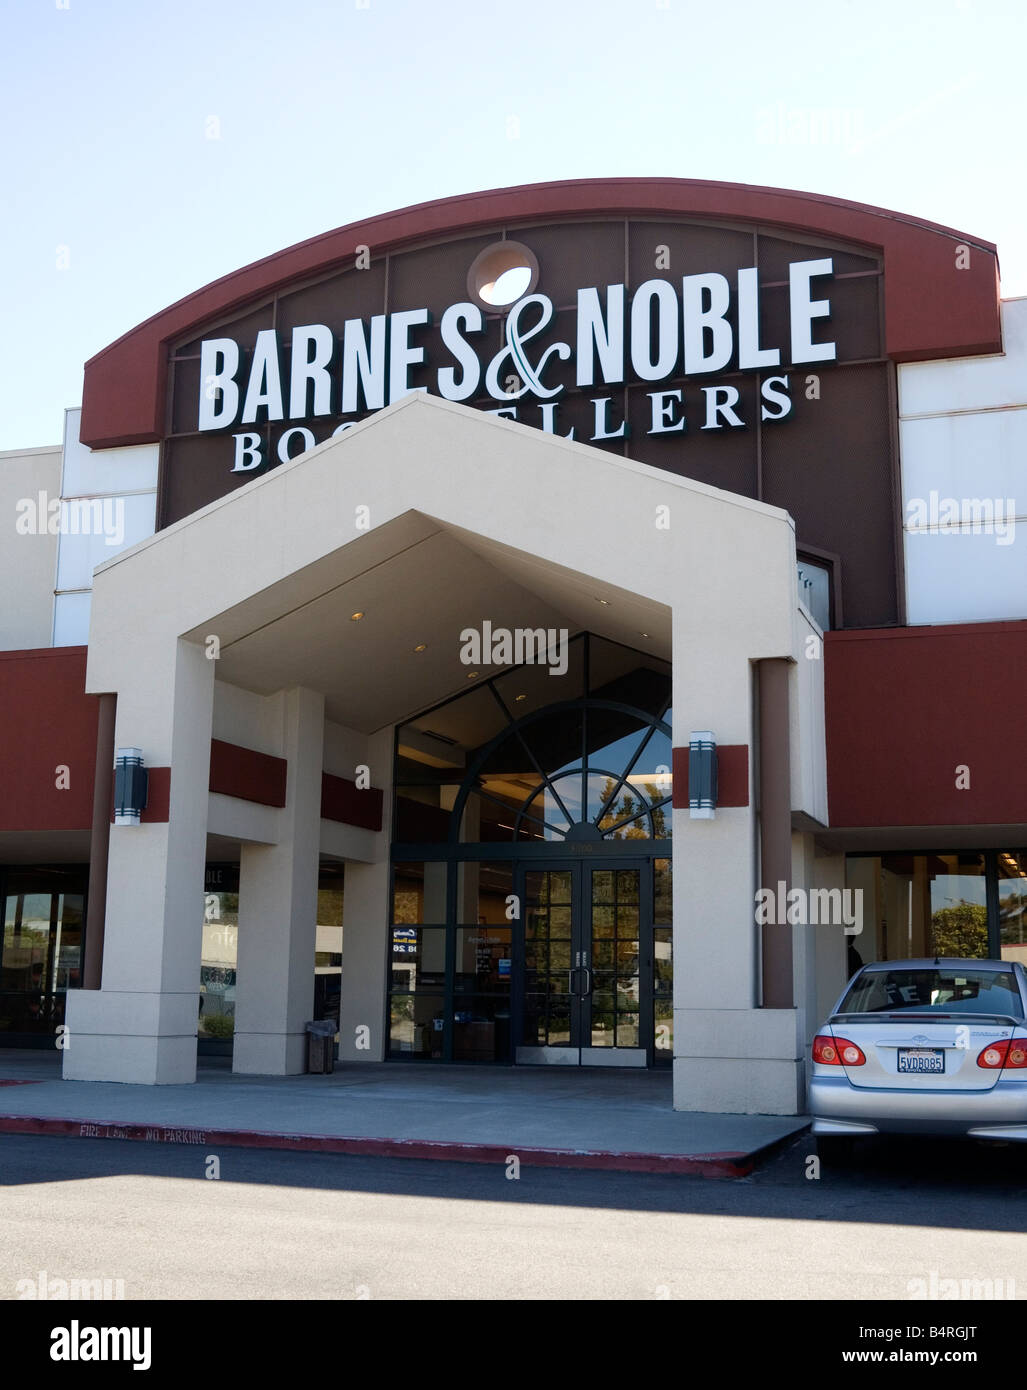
321	1045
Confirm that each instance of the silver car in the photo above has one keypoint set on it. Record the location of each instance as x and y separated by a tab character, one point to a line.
934	1046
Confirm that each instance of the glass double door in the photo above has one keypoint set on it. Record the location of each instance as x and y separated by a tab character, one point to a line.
596	967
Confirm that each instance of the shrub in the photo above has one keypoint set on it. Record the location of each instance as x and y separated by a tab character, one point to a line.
219	1026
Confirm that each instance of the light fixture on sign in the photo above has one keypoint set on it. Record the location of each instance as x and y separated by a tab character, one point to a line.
501	274
421	646
355	617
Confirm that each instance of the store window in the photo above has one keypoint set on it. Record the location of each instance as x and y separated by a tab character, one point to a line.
1011	868
417	991
815	585
481	988
328	947
536	758
219	955
663	963
43	939
918	905
461	974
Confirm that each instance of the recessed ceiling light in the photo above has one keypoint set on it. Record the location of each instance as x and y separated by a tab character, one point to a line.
421	646
355	617
520	697
643	634
604	601
471	675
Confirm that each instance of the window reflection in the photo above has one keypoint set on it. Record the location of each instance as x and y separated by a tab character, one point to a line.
815	590
41	957
918	905
528	785
1012	904
219	953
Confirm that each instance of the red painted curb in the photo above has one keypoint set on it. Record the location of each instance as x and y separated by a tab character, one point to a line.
717	1165
20	1083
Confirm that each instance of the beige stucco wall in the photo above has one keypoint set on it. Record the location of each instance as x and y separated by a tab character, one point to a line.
251	720
28	563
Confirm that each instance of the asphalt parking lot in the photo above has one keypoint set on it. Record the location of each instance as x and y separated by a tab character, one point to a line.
298	1225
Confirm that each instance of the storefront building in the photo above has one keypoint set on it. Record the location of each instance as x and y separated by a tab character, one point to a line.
567	625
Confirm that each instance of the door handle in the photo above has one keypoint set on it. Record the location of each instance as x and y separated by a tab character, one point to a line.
588	981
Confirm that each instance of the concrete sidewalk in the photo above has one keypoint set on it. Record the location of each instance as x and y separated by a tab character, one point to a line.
552	1116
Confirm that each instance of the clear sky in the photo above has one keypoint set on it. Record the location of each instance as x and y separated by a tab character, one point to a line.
116	200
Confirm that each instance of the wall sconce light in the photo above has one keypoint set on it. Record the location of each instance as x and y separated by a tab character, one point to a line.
702	775
130	786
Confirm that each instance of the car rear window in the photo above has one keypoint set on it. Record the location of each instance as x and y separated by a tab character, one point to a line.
934	989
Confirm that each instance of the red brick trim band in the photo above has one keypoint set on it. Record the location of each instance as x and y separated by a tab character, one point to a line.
251	776
344	801
908	708
247	774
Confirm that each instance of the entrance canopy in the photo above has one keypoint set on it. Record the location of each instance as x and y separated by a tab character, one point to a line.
429	519
302	618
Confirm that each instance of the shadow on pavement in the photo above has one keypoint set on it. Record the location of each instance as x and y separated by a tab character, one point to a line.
898	1182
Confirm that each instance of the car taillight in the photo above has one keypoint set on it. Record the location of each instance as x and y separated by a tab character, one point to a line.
837	1052
1007	1052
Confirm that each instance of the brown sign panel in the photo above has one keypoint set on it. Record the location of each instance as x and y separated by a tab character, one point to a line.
812	436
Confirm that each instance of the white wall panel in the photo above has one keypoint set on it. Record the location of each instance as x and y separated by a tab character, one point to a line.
963	439
971	383
959	577
89	471
983	455
251	720
79	555
71	620
28	561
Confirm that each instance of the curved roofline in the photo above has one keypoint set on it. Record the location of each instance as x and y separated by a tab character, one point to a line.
123	395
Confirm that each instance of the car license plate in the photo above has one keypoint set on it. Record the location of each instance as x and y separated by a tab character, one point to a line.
921	1060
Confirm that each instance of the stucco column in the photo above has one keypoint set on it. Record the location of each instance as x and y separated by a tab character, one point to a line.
730	1055
365	929
141	1024
278	908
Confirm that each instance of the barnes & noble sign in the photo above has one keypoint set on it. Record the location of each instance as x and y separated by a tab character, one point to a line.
748	359
319	378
